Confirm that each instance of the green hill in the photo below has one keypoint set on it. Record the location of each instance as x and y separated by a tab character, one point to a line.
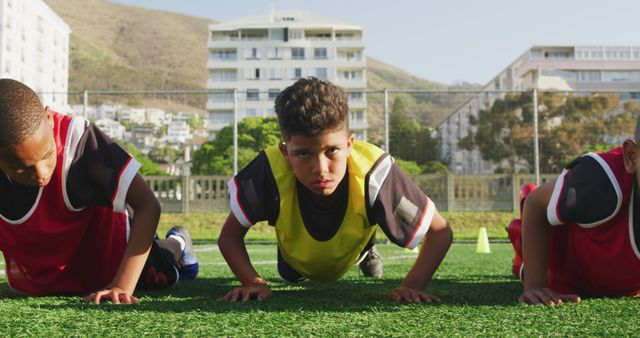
115	46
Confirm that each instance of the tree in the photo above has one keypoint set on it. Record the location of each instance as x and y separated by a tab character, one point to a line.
195	122
163	154
254	134
148	166
567	123
408	140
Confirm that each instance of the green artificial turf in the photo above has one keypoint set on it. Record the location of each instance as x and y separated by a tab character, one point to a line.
479	299
205	226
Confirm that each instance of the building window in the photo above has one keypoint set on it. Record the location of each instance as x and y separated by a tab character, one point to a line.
223	55
297	73
557	55
275	74
297	53
589	76
221	97
256	74
223	75
40	25
296	34
356	96
253	95
320	53
251	54
221	117
321	73
357	117
273	93
275	53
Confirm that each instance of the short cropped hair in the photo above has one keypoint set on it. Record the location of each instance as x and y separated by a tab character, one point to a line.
21	112
310	107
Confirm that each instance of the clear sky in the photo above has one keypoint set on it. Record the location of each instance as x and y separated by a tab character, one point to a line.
449	40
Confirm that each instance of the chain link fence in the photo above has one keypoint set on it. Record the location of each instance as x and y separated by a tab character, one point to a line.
468	149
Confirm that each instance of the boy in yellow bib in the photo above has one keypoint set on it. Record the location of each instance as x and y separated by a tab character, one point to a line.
326	194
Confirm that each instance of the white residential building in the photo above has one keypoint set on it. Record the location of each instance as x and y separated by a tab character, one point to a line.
133	115
261	55
178	132
34	49
112	128
157	117
565	68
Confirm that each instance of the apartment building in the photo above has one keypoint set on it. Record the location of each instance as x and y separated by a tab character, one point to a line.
34	49
261	55
565	68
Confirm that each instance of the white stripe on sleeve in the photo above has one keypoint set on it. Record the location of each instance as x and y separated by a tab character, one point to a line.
236	207
423	226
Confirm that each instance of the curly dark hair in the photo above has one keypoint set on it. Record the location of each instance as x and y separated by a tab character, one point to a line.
311	106
21	112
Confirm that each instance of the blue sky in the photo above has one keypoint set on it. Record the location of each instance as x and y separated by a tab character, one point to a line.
449	40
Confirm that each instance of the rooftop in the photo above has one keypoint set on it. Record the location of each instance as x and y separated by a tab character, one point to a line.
282	19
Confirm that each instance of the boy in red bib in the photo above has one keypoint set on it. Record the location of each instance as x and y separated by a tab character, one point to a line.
64	226
514	230
581	233
326	194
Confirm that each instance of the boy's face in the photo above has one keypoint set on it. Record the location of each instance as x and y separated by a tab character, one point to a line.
319	162
32	162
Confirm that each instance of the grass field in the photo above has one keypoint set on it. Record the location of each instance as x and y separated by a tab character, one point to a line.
205	226
479	299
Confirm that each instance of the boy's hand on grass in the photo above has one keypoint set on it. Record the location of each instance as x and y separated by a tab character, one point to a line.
114	294
245	293
406	294
547	296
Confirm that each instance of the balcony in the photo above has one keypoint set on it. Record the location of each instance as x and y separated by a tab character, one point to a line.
219	105
357	124
361	103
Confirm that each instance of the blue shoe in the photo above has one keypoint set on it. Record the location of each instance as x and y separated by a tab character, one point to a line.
188	265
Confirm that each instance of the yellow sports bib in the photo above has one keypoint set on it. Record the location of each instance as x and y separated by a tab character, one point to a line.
324	260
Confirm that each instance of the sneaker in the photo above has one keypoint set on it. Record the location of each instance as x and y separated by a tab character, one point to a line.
188	265
371	265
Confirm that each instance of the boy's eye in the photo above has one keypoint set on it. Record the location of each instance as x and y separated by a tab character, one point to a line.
302	154
333	151
19	171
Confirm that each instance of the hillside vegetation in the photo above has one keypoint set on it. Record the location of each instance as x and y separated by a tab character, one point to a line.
121	47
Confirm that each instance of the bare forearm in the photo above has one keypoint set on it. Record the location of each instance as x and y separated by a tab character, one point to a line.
235	253
434	248
535	234
143	228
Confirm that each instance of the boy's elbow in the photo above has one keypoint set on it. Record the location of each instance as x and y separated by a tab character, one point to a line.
155	207
448	234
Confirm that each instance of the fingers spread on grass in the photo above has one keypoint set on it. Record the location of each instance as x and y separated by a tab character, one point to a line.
246	293
115	296
412	296
547	297
427	297
233	295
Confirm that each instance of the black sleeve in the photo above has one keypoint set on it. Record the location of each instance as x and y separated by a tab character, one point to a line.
254	195
583	193
400	208
100	172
